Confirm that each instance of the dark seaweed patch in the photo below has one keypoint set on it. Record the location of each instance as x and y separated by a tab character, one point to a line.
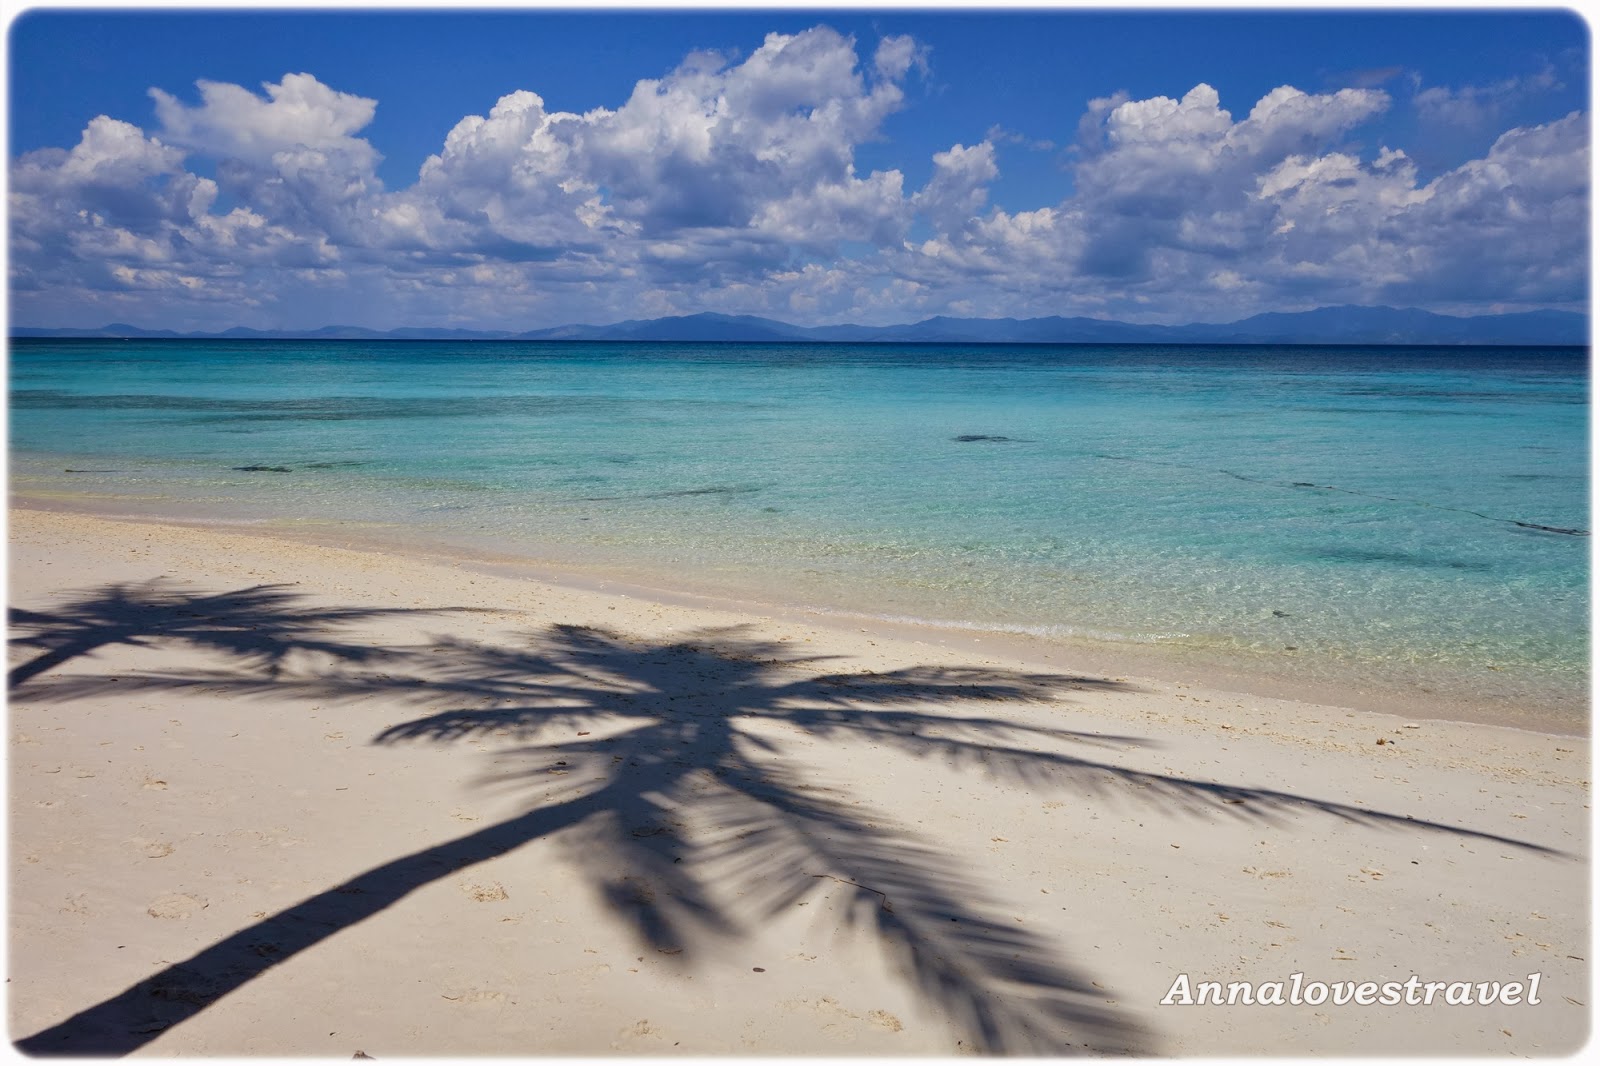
1564	530
1398	557
711	490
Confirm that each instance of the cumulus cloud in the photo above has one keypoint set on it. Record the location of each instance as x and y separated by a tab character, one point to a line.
109	200
1512	226
115	172
291	153
1168	178
956	193
732	184
711	148
722	160
1181	212
298	115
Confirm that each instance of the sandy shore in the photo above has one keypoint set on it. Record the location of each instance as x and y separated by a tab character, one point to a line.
275	798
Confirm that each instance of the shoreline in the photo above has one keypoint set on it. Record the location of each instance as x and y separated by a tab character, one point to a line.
476	813
1167	664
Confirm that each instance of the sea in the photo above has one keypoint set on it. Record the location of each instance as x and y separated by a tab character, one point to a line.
1414	519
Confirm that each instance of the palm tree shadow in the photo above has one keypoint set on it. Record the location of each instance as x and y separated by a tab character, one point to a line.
672	773
258	626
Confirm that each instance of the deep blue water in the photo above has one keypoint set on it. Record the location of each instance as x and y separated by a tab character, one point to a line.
1374	509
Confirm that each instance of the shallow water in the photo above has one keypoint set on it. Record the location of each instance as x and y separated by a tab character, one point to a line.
1369	515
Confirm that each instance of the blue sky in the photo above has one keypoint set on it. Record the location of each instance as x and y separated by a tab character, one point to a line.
517	170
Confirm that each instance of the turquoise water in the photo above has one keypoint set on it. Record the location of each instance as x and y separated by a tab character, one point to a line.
1338	512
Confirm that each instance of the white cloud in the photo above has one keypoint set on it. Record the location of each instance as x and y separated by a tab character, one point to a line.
896	56
1512	226
1475	106
711	147
1287	119
958	188
299	114
1181	211
292	155
117	153
732	184
762	149
1163	120
1177	173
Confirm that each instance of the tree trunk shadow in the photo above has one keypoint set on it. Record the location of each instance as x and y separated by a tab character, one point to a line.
131	1019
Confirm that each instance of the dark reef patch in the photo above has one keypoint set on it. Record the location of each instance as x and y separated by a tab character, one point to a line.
1399	557
1273	482
711	490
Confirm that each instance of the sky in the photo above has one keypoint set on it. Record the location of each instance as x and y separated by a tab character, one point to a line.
516	170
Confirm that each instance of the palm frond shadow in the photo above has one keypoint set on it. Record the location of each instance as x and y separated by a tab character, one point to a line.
259	627
671	772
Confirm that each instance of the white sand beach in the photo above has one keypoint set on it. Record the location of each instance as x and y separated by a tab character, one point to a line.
270	797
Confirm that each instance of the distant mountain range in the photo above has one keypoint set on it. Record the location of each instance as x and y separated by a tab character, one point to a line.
1325	325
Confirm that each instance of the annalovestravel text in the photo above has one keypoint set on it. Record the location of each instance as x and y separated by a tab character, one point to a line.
1296	991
